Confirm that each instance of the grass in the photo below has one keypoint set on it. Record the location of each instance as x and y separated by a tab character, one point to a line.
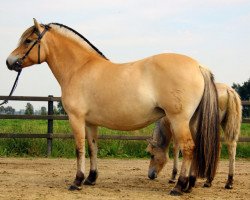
66	147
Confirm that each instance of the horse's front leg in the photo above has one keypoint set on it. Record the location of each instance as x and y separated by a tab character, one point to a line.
78	128
92	148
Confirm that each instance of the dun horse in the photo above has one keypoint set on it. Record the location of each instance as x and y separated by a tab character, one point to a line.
97	92
230	119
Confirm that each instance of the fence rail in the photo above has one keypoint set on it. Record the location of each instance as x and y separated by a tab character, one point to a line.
50	117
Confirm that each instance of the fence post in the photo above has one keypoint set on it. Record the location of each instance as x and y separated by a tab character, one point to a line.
50	127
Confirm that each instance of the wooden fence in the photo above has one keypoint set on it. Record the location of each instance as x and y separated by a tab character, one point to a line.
50	117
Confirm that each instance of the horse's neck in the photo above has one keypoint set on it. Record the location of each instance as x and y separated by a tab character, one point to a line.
159	136
66	56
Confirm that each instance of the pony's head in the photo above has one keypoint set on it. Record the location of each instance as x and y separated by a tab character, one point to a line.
31	48
158	158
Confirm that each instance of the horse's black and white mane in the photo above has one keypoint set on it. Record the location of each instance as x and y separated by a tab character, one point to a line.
81	36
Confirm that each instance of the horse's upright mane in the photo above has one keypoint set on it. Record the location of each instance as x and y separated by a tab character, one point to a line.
81	36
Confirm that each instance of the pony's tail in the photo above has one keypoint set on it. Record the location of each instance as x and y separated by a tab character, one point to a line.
232	121
207	138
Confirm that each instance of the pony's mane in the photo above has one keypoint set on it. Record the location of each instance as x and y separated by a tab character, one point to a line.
79	35
32	29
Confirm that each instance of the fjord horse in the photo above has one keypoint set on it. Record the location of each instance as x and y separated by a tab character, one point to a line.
97	92
230	120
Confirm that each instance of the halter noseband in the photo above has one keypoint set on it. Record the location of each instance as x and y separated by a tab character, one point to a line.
17	66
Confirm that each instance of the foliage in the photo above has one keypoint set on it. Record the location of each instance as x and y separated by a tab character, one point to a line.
7	110
60	108
29	109
244	92
43	111
66	147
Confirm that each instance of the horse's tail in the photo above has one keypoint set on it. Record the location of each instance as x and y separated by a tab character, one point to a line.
207	138
232	121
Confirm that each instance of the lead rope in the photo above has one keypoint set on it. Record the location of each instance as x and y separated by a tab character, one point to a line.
12	89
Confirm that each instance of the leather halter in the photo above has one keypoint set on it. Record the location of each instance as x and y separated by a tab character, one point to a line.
17	66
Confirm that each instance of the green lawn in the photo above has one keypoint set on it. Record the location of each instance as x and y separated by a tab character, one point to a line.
65	147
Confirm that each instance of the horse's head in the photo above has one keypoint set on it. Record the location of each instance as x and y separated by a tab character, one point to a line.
158	158
31	48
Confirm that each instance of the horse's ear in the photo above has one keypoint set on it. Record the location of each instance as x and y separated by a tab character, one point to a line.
37	25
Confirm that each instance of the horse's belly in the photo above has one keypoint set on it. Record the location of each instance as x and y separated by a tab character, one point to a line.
121	119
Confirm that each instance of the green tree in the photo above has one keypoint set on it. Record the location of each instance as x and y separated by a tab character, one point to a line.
60	108
43	111
29	109
2	110
55	110
244	92
9	110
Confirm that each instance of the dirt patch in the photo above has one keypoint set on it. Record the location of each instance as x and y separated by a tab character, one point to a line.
23	178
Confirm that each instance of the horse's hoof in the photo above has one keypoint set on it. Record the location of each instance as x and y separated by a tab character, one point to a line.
229	186
189	190
175	192
171	181
74	187
88	182
207	185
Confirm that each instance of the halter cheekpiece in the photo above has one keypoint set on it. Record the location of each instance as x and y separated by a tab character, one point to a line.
17	66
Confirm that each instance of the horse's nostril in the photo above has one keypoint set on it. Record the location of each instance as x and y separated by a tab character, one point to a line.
152	175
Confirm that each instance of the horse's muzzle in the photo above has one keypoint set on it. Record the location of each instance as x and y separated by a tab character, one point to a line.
152	174
17	65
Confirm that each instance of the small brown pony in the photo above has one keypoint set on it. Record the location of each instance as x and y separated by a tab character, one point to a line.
97	92
230	119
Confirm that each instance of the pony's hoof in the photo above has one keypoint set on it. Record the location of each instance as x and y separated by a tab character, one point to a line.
88	182
189	190
229	186
91	180
74	188
171	181
175	192
207	185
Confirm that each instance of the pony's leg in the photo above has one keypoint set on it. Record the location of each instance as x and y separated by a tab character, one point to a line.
182	135
92	147
191	179
176	157
231	147
78	128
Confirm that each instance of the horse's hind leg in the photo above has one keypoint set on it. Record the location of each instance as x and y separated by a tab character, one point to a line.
231	148
175	162
92	147
182	135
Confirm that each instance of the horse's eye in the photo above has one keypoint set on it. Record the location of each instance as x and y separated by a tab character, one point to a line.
152	156
27	41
